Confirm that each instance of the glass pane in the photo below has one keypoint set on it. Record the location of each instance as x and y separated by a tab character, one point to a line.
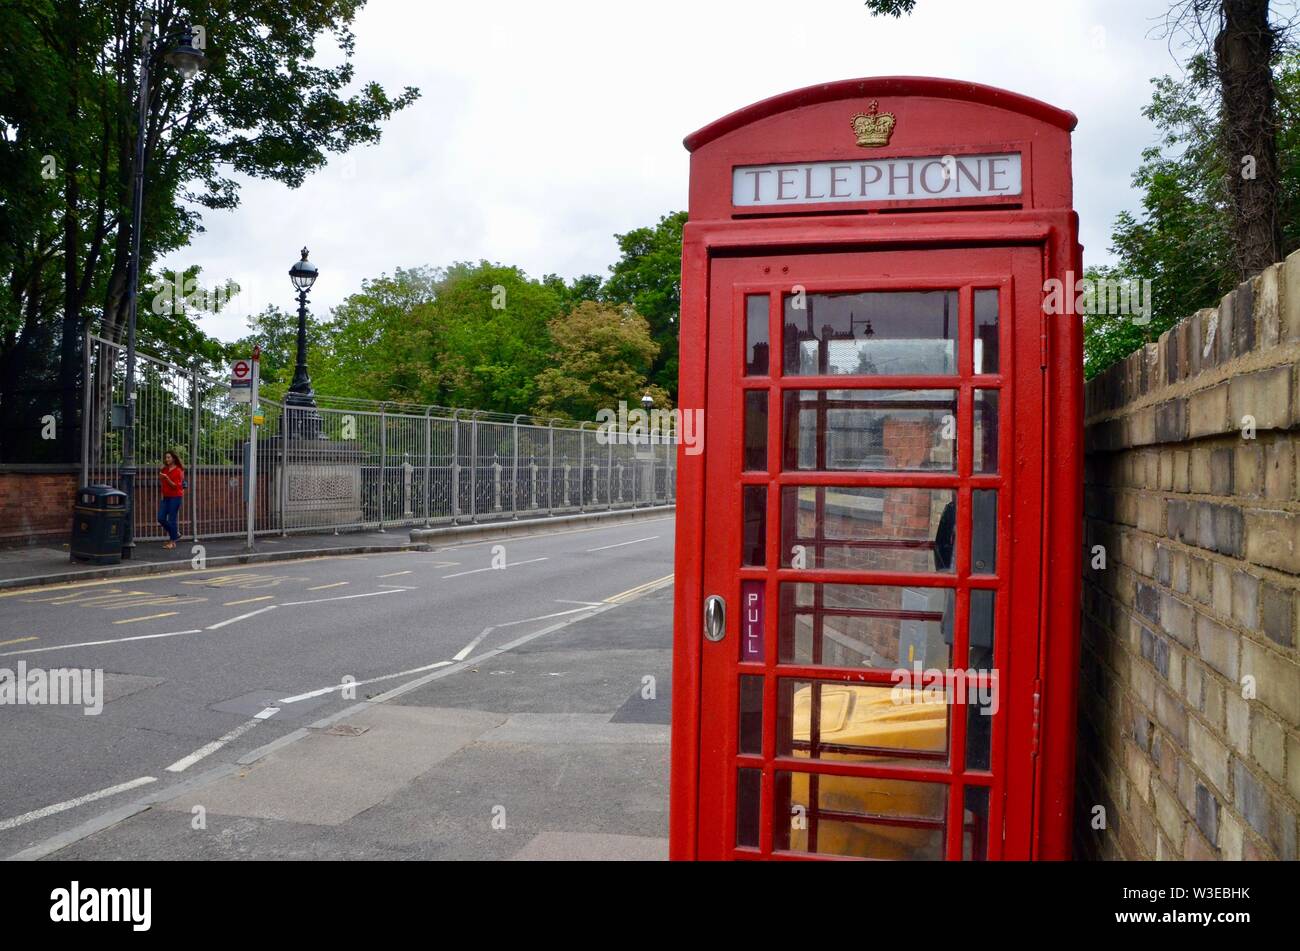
830	720
753	552
756	343
986	431
984	532
975	830
869	334
859	817
912	430
756	430
868	529
986	331
751	716
749	785
857	625
979	728
982	633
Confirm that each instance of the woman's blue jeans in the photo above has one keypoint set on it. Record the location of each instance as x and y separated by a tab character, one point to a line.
169	510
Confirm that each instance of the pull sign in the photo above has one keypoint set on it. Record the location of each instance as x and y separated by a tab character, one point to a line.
752	603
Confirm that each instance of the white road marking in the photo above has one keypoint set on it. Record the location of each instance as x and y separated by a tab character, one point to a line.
360	683
203	752
635	541
394	574
342	597
465	651
6	824
115	640
543	617
590	604
242	617
322	587
513	564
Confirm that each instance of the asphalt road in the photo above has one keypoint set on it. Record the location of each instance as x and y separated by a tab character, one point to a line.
200	667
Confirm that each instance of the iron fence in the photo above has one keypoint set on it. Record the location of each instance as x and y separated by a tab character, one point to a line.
349	464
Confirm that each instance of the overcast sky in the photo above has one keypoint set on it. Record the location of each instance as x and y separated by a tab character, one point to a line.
545	128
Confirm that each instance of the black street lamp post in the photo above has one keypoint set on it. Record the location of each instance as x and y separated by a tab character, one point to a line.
300	401
187	60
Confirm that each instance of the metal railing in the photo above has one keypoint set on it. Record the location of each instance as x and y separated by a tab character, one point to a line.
353	465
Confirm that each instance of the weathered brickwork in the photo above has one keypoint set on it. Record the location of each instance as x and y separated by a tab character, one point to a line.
1190	701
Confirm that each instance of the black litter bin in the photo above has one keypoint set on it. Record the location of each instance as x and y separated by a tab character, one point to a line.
98	524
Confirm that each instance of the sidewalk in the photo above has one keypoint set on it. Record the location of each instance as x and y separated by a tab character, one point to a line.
550	750
51	565
22	567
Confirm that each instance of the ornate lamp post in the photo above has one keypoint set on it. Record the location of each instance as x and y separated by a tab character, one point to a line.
187	60
305	422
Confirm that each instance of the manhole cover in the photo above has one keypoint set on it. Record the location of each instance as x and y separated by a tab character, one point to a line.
343	729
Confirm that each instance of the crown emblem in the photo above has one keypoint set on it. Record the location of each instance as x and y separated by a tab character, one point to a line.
873	127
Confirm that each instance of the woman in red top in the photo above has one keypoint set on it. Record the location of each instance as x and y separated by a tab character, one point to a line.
172	479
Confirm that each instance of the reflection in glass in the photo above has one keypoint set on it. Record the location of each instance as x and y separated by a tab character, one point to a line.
984	532
982	602
755	430
858	625
979	734
871	333
986	331
756	342
986	431
749	785
751	716
909	430
867	529
859	817
975	830
753	545
831	720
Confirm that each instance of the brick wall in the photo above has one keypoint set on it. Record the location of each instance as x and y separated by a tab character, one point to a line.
36	505
1190	702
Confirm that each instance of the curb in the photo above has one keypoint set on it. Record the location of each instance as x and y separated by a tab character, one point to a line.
213	561
422	539
534	526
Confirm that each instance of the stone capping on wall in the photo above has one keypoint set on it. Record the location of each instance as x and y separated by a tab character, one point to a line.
1192	453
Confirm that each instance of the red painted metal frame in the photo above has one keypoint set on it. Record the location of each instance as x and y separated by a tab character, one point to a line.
811	125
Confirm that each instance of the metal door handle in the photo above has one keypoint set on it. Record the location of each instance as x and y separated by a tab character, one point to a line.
715	618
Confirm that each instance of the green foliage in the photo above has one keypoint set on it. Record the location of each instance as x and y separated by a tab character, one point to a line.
648	278
602	356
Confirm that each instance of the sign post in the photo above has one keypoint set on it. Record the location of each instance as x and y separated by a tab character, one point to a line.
251	489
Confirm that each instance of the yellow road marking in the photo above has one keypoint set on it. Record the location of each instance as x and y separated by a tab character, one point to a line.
633	592
151	617
265	597
322	587
18	640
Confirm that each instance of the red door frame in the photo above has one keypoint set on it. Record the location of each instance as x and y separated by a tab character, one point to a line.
1017	476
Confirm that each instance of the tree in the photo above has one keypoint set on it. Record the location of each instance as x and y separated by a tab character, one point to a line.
68	116
378	343
492	338
648	278
603	355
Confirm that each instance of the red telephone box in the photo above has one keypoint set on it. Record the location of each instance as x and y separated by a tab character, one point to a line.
879	534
